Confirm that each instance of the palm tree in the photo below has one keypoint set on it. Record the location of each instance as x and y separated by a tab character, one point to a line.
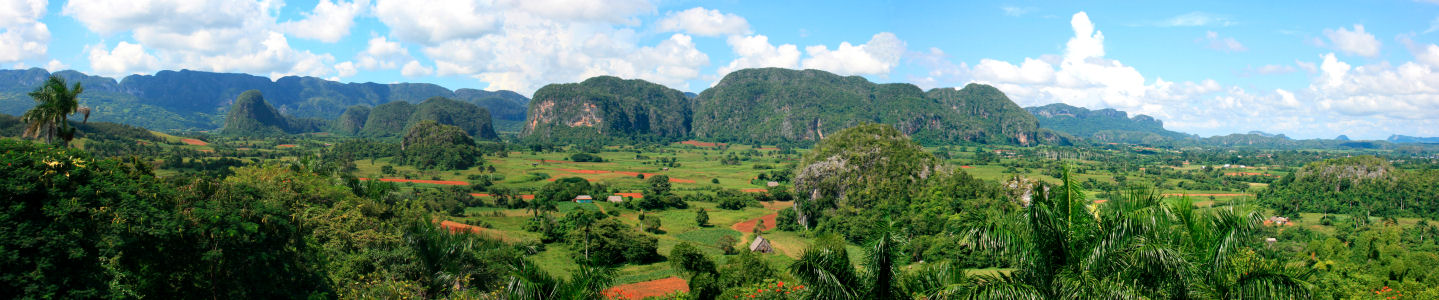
53	105
826	267
1135	246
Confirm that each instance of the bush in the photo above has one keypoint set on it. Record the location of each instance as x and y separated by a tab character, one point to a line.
586	157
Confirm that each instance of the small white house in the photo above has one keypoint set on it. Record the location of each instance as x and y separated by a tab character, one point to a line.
584	199
772	184
615	199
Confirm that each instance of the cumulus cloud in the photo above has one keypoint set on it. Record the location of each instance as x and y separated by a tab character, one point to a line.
124	59
1354	42
381	53
940	69
543	42
1407	91
210	35
1083	76
415	69
1212	40
876	57
704	22
755	51
328	22
22	35
55	65
345	69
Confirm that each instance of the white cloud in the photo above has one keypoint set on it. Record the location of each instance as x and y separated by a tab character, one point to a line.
55	66
440	21
437	21
1032	71
1407	91
415	69
704	22
1212	40
124	59
1269	70
1196	19
941	71
755	51
547	42
382	54
615	11
345	69
1309	67
1355	42
876	57
1082	76
209	35
1015	11
328	22
22	35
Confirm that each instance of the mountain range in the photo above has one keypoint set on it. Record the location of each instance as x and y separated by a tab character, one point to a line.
194	100
768	105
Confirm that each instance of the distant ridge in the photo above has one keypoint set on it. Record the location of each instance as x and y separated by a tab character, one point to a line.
1104	125
195	100
1404	139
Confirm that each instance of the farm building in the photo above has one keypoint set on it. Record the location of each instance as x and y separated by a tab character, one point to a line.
760	245
615	199
584	199
772	184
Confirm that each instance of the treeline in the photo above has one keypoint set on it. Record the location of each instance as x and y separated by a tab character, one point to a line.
1361	185
82	227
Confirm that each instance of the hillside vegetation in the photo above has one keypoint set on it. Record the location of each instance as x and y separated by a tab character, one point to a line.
607	106
775	105
1104	125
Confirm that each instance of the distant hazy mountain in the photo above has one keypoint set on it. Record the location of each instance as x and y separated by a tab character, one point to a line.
1413	139
198	100
1104	125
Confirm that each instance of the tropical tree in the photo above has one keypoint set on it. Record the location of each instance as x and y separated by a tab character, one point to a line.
826	268
54	103
1134	246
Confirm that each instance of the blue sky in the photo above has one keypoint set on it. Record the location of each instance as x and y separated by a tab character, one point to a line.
1308	69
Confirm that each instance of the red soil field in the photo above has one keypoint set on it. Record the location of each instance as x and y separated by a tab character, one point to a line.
194	142
457	227
769	220
754	190
440	182
766	148
966	167
677	180
286	146
747	226
701	144
652	288
631	195
1248	174
1207	195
